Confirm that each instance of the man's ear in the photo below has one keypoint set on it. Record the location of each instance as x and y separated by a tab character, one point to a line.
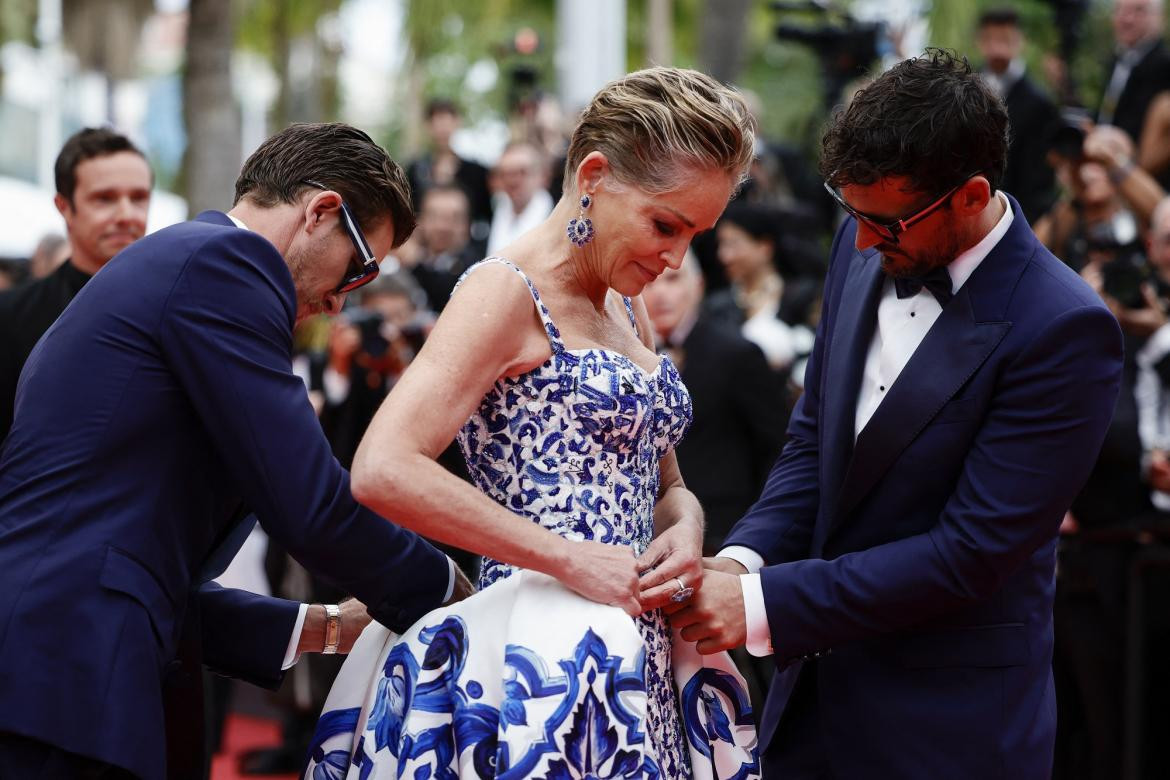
64	207
973	196
323	207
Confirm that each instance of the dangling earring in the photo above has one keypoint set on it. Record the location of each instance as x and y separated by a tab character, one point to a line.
580	229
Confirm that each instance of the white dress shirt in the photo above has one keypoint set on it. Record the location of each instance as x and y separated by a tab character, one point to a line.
902	324
507	225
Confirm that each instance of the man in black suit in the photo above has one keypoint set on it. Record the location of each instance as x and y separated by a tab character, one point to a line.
739	405
441	166
1032	115
1140	68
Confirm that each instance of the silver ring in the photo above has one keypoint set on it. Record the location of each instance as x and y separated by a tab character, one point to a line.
683	593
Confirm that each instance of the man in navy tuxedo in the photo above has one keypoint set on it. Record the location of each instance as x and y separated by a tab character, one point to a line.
154	410
899	566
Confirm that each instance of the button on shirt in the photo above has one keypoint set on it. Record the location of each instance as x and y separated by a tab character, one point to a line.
902	324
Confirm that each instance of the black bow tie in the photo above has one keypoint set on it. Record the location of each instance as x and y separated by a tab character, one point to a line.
937	281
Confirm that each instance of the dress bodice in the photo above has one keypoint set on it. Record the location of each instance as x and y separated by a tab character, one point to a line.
574	444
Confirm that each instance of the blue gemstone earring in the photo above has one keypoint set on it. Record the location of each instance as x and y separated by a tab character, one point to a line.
580	229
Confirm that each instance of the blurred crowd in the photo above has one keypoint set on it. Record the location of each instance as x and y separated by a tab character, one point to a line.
738	318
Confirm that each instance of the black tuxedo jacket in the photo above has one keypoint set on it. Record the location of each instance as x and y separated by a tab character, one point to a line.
1149	77
1029	177
739	419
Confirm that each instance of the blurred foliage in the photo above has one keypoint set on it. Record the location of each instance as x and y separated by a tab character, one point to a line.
17	23
262	25
448	37
17	20
271	28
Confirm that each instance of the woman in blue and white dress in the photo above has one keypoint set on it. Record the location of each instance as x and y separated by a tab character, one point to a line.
563	665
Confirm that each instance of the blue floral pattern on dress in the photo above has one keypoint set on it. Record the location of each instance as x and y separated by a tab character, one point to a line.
574	446
527	679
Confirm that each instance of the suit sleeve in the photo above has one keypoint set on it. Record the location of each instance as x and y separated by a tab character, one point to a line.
1036	446
779	526
245	635
226	333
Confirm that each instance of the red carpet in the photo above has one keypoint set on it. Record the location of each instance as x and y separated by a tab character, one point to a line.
241	733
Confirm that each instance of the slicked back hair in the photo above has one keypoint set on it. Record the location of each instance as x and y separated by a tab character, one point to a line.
930	119
335	155
657	125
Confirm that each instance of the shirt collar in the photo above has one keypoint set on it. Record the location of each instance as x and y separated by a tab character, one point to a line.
1132	55
237	221
965	264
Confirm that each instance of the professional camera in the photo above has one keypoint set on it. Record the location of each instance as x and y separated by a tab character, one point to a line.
1067	138
1126	268
845	46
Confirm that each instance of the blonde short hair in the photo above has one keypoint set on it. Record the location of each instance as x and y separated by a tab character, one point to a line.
657	125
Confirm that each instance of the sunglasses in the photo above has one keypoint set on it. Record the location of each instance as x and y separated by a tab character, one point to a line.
363	266
888	232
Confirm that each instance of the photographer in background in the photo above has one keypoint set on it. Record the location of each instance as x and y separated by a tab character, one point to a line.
1097	229
370	345
1106	198
440	250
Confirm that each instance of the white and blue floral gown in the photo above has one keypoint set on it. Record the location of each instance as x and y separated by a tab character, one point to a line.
527	679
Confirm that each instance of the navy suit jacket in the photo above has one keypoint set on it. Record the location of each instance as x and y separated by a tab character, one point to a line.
917	564
160	402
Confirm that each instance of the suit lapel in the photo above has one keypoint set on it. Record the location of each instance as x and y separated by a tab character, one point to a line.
951	353
964	336
852	333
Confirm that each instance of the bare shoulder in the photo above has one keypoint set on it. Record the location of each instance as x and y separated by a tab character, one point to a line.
493	309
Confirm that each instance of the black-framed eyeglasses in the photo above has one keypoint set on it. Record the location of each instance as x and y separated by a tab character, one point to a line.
363	266
889	231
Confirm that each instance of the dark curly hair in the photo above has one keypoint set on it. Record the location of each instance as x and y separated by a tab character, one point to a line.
930	119
342	158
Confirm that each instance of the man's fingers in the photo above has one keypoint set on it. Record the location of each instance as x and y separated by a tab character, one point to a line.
709	646
696	632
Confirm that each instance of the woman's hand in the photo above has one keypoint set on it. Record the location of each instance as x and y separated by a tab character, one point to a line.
675	555
605	573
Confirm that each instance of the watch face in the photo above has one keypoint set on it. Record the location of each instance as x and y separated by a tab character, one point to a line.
332	628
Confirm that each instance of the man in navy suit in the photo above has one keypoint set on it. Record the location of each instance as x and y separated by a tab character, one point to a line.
155	409
899	565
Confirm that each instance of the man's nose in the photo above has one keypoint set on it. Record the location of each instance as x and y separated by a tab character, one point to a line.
127	211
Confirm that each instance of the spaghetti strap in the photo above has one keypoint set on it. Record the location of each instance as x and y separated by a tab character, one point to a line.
550	328
633	319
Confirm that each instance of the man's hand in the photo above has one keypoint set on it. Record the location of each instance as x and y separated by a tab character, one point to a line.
463	587
714	617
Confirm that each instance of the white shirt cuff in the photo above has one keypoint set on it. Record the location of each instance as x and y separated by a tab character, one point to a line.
759	636
750	559
290	654
450	579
